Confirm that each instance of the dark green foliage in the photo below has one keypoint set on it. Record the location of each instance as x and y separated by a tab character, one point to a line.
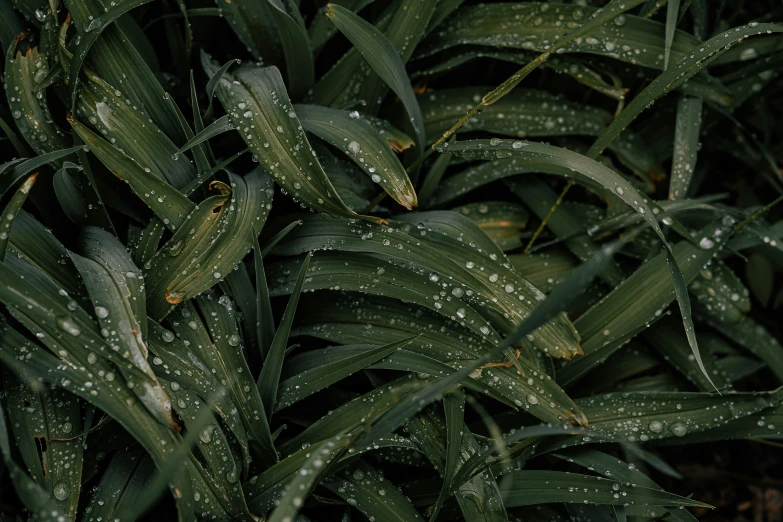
211	310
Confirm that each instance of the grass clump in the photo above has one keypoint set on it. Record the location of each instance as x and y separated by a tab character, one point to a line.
540	255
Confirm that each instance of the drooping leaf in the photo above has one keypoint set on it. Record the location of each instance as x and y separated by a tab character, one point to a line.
359	140
161	197
307	382
31	112
257	96
382	56
629	38
220	233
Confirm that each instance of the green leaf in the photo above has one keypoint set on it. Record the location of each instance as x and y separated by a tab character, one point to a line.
366	489
31	494
564	64
684	68
114	59
296	46
257	96
178	363
721	295
90	33
637	301
264	493
69	193
212	83
12	172
529	487
112	282
752	336
220	233
440	345
123	484
523	113
254	24
269	379
478	498
216	128
686	145
208	326
501	221
161	197
98	388
607	465
611	182
432	181
355	413
29	240
672	15
497	292
44	421
31	112
308	477
560	297
454	408
628	38
667	337
11	210
382	56
321	30
647	416
308	382
106	107
359	140
265	321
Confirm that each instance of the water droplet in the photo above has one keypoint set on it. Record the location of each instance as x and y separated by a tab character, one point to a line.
66	324
101	312
167	336
233	340
679	429
61	491
656	426
706	243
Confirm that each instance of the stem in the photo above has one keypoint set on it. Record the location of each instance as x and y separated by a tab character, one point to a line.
549	215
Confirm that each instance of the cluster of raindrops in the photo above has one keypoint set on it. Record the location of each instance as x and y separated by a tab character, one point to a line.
540	26
721	293
28	105
522	113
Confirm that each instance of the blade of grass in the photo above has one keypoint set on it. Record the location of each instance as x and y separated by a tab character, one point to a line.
269	379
